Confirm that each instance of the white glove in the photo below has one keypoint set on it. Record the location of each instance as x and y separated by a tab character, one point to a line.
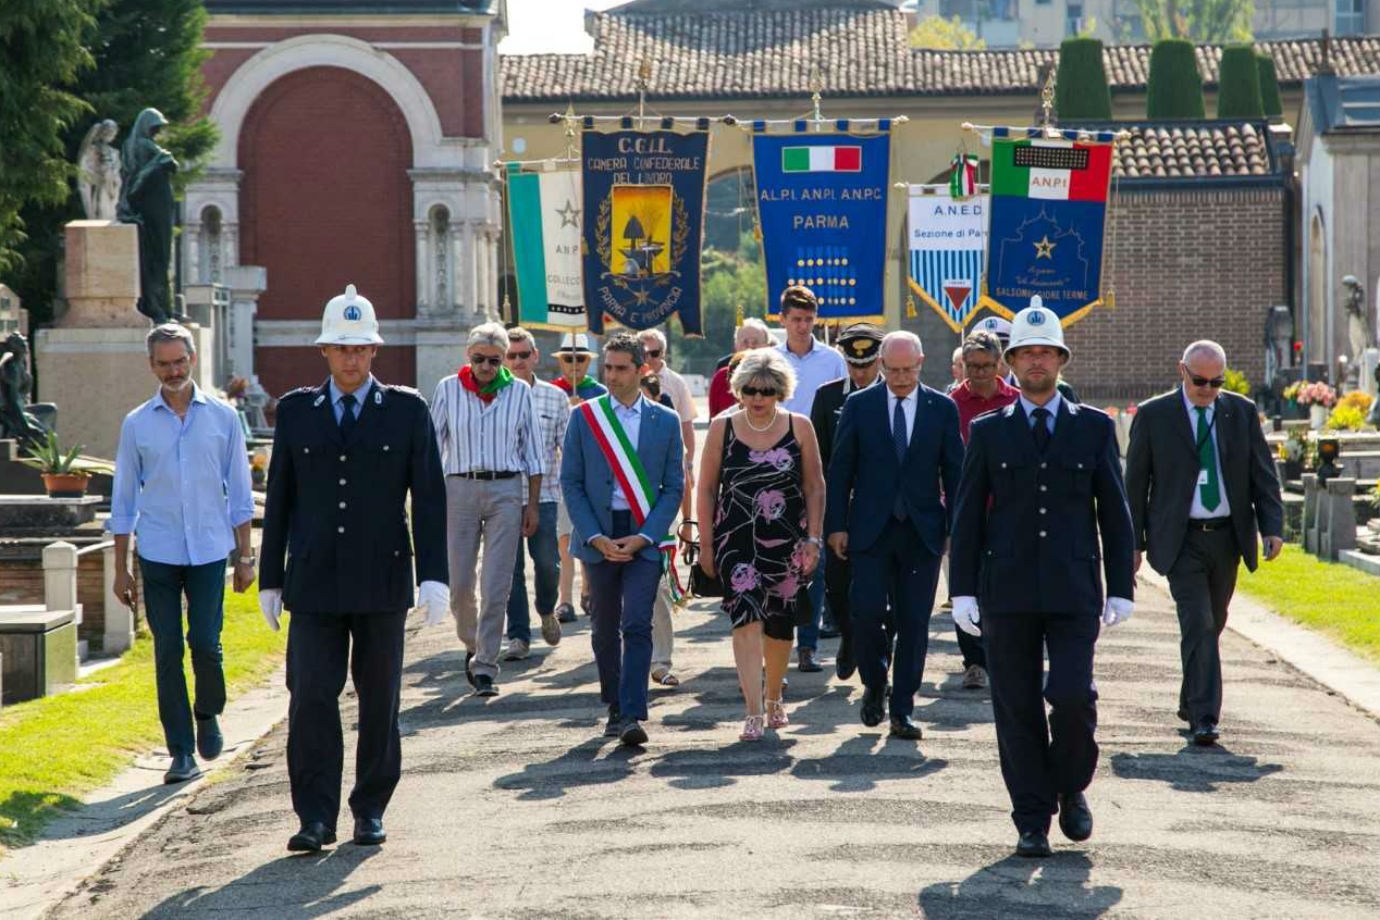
1117	610
435	599
271	603
966	615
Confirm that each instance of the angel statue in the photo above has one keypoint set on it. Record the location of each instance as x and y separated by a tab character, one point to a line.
146	199
98	164
19	419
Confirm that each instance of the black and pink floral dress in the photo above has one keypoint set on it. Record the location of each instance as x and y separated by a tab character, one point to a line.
759	526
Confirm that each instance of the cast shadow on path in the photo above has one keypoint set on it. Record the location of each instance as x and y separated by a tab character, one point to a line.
855	767
289	888
72	818
582	765
1194	769
1038	889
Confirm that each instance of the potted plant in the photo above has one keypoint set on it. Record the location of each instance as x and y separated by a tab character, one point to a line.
1318	397
65	475
1293	453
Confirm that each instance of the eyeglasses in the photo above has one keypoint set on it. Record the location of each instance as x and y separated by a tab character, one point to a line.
480	359
1214	382
574	359
980	368
654	353
759	391
519	355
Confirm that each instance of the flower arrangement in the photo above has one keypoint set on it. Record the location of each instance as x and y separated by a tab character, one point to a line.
1346	418
1316	393
1299	448
1237	382
1358	399
1291	392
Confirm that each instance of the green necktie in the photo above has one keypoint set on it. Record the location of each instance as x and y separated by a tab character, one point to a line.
1207	462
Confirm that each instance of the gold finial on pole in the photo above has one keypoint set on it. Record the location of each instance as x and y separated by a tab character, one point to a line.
644	79
1047	101
570	132
816	88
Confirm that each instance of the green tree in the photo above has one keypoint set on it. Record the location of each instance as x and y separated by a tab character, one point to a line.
1238	84
1174	88
1269	86
729	280
1214	21
1080	88
146	54
945	35
41	54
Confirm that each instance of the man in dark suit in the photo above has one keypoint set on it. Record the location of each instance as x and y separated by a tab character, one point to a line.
895	447
1041	481
346	455
1202	486
859	343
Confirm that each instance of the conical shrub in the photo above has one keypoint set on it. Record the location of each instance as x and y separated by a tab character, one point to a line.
1080	90
1175	87
1238	84
1270	101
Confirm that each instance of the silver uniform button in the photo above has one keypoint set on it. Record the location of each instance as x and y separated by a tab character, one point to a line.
342	458
385	447
1042	465
1003	465
1042	533
306	450
342	504
1043	488
397	552
342	530
342	482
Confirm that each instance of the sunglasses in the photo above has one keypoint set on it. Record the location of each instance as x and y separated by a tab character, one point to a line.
654	353
759	391
574	359
480	359
1214	382
519	355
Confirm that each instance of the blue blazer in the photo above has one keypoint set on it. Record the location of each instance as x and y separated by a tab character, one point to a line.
1027	528
587	479
864	475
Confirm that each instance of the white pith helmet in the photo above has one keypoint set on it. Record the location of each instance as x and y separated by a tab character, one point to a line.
1036	325
349	320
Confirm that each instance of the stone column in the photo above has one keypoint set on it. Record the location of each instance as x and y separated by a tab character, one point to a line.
1339	532
246	284
425	306
119	619
1310	512
60	582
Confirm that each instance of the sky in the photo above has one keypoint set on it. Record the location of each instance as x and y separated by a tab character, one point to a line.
549	26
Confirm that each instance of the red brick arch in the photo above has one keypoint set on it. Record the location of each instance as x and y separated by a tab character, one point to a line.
326	201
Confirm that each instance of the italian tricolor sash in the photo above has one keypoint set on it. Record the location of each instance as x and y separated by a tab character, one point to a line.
627	469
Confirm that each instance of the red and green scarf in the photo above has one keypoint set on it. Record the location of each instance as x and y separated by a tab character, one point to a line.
488	391
587	388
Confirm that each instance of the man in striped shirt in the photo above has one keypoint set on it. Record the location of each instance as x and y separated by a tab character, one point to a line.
553	414
486	429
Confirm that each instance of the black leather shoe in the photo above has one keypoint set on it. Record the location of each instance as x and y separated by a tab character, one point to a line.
1183	717
369	832
484	685
873	701
615	723
469	675
183	768
311	838
903	727
1033	844
807	662
632	733
565	613
1206	734
844	665
1075	817
209	740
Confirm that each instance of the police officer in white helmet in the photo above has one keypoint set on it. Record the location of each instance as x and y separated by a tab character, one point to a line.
1041	501
346	456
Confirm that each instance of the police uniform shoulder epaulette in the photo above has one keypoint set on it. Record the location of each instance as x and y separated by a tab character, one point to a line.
403	390
300	391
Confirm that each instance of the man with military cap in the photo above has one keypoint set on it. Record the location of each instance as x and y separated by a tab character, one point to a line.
346	456
860	344
1041	481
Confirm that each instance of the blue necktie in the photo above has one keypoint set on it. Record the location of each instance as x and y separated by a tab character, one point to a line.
898	435
1041	429
347	415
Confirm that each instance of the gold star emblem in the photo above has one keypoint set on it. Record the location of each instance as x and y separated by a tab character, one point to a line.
570	215
642	297
1045	249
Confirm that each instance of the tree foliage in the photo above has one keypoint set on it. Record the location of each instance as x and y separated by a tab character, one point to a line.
1214	21
41	54
145	54
945	35
1238	84
1174	87
1269	86
1080	89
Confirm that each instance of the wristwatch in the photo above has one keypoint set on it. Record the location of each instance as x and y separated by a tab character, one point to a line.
247	560
815	542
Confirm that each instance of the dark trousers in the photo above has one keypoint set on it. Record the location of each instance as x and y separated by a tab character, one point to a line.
1041	758
621	598
319	653
204	587
896	565
1202	581
970	647
546	567
837	574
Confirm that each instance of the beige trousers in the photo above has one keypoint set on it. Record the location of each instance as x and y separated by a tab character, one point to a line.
488	516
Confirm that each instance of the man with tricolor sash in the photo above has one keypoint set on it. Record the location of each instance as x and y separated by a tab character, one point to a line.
622	475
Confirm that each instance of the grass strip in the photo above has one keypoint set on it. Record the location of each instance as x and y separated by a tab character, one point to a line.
1335	599
56	749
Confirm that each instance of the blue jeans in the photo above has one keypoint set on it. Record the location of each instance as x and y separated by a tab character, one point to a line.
546	563
204	587
621	598
807	636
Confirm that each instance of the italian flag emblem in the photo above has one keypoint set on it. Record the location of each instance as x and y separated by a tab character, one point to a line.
823	158
1051	169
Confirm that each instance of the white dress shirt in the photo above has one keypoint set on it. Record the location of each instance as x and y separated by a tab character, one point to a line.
908	405
1197	510
630	417
473	436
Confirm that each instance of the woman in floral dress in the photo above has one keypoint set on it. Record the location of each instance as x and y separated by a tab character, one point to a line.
761	509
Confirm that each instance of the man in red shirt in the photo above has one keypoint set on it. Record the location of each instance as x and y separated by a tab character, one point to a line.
982	390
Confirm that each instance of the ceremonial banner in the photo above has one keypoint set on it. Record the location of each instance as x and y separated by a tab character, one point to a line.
544	227
821	205
948	247
1049	208
643	220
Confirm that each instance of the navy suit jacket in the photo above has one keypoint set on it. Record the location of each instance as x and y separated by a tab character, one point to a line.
587	479
864	475
1026	527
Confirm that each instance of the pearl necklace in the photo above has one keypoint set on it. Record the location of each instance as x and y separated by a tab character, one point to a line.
748	418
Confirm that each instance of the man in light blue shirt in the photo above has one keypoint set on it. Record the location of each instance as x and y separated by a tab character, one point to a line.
182	486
